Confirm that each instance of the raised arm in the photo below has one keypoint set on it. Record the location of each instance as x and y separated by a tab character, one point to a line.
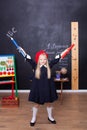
22	51
61	56
24	54
27	57
65	52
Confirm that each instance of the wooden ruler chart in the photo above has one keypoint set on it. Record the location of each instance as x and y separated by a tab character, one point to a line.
74	57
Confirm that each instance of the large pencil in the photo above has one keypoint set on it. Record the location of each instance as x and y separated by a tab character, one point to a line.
14	42
67	51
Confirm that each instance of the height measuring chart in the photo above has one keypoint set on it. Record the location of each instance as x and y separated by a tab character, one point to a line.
75	58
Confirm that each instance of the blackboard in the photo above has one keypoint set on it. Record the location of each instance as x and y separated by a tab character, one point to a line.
35	25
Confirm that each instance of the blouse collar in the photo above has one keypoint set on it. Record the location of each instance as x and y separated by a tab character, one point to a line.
43	65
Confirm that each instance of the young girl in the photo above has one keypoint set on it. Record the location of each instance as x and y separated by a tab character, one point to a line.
43	89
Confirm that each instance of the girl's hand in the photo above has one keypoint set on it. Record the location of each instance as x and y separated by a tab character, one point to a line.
21	50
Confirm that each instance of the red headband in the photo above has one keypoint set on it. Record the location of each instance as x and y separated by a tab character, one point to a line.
39	53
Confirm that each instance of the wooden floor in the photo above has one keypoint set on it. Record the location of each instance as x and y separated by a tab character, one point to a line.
70	115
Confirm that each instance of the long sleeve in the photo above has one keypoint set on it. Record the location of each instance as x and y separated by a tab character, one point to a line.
55	60
31	61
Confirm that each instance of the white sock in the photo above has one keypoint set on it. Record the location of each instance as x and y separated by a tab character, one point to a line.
34	109
49	111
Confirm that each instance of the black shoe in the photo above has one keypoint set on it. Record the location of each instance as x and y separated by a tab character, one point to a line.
53	122
32	124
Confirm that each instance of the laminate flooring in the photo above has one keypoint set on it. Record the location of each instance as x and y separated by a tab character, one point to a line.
70	115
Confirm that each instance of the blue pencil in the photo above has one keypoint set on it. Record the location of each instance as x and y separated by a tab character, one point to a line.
18	47
14	42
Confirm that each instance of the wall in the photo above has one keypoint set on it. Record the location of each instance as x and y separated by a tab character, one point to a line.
42	24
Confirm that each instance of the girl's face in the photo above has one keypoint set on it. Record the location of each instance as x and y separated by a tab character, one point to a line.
42	59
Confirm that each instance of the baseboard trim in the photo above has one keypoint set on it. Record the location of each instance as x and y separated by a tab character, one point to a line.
27	91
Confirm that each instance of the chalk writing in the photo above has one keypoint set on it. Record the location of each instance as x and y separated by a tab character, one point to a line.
11	32
53	48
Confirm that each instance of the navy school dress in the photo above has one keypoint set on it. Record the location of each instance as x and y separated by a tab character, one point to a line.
42	90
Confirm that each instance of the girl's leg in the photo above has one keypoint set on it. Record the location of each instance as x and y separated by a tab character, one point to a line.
50	113
34	114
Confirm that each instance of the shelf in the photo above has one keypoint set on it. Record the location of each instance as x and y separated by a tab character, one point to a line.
7	82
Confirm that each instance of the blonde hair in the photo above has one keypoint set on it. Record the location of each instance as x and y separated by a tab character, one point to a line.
38	72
